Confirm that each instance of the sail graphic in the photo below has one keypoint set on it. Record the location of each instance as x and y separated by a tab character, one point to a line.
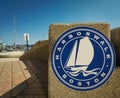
85	52
81	56
71	60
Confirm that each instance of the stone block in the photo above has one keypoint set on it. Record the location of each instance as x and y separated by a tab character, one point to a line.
38	52
115	38
57	90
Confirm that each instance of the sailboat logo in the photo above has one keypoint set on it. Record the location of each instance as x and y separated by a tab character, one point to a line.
83	58
79	61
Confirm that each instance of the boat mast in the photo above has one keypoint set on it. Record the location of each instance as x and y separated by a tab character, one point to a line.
14	34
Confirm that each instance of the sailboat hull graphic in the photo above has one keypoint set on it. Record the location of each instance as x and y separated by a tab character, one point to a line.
80	57
79	68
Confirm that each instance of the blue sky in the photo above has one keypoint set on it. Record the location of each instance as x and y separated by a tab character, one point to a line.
35	16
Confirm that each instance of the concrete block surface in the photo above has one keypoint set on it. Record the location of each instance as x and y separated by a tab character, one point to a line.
115	38
57	90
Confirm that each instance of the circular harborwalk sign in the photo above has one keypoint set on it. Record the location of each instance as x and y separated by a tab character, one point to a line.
83	58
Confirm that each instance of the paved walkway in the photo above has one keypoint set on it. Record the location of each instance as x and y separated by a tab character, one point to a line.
28	79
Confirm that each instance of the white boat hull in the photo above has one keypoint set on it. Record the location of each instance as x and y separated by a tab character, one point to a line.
82	68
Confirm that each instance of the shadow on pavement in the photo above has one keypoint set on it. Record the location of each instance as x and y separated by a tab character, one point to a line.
34	87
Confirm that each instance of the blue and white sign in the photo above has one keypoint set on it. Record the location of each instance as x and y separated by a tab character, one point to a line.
83	58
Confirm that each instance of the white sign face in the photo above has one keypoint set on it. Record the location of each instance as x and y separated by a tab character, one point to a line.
26	36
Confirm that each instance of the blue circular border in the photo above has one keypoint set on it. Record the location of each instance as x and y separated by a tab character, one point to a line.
111	47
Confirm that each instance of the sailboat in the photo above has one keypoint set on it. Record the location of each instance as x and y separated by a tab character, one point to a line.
80	57
14	53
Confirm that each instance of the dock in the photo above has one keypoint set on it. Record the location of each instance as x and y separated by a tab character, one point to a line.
23	79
